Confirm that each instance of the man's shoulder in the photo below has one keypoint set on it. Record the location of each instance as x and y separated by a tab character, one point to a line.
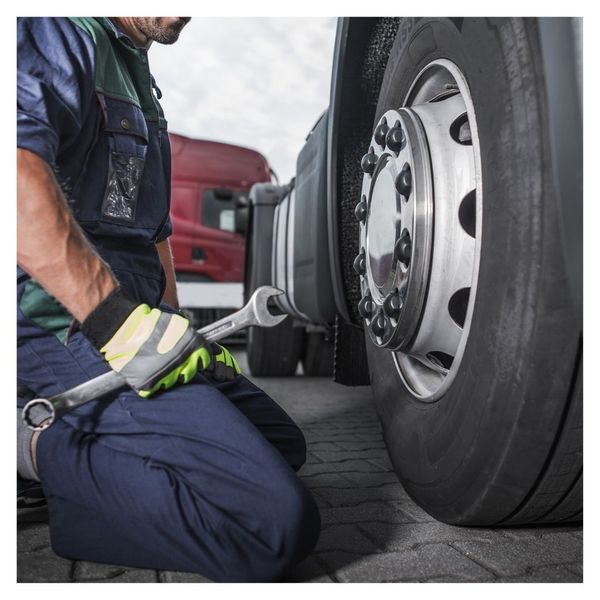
51	32
112	76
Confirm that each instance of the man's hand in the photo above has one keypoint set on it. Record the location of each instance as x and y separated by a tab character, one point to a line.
152	349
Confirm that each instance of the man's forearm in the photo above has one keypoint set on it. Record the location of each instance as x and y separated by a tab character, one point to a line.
166	259
51	247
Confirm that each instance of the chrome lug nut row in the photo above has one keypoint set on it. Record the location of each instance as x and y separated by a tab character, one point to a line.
394	213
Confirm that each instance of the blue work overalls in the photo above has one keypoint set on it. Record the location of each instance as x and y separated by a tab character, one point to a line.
201	477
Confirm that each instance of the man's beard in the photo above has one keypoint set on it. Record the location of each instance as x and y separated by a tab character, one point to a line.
156	31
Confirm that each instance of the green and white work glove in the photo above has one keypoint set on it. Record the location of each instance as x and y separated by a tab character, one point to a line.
152	349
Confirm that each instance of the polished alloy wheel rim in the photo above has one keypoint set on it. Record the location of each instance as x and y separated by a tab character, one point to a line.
420	229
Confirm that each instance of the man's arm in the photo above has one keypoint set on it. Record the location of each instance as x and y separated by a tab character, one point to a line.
51	247
166	258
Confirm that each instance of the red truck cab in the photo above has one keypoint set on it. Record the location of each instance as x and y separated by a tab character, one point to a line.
210	181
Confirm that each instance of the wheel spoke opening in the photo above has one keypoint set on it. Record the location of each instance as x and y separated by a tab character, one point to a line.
440	359
467	213
457	306
460	131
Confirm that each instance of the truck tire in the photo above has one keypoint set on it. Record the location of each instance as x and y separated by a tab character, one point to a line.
274	352
317	358
490	433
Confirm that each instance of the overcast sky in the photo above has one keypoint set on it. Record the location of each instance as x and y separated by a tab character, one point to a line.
256	82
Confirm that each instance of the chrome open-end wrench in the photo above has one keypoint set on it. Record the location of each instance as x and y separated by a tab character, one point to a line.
255	312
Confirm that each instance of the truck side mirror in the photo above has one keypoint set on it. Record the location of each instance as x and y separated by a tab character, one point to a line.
241	213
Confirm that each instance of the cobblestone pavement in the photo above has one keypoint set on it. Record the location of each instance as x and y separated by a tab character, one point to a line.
371	530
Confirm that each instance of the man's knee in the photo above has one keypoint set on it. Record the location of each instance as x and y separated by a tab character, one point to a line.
289	531
301	523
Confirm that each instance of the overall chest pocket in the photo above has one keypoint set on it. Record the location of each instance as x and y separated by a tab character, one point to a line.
127	138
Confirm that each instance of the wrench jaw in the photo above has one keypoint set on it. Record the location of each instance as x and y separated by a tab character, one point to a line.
45	413
260	309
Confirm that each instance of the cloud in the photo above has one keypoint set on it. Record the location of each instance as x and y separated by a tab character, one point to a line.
256	82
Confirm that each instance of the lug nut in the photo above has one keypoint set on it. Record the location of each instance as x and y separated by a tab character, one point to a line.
368	162
392	305
360	263
360	212
403	249
379	324
404	181
393	139
366	306
381	131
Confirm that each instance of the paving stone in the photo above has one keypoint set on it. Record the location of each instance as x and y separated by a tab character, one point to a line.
328	436
318	447
424	563
576	568
309	570
365	479
362	426
325	480
177	577
312	459
91	571
349	466
523	533
517	557
406	536
127	576
320	502
368	436
366	512
42	566
383	462
350	455
345	538
456	578
548	574
321	427
351	495
362	445
415	512
33	536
